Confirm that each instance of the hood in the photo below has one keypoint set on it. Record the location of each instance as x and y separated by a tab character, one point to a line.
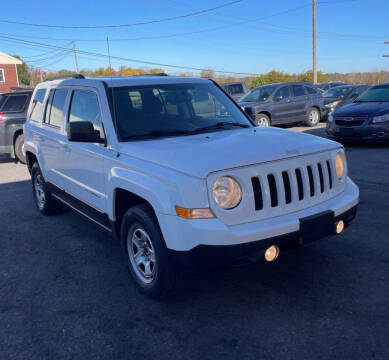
328	100
363	108
201	154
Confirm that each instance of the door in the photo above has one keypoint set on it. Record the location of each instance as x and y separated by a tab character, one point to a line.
52	137
282	109
85	170
300	101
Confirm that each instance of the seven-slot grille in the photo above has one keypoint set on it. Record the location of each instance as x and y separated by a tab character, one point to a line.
299	181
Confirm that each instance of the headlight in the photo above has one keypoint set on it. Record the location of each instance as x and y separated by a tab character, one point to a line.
227	192
333	104
339	165
380	119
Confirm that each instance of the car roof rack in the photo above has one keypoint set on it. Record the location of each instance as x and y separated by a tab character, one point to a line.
70	76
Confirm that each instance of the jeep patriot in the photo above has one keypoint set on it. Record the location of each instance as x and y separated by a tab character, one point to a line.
179	173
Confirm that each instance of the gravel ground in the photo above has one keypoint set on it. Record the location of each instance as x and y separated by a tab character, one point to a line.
65	292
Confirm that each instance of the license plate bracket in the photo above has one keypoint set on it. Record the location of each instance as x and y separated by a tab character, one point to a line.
317	226
346	131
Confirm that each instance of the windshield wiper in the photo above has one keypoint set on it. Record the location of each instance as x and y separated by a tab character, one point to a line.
158	133
221	125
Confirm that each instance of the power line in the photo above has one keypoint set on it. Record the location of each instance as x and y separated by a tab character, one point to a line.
195	13
37	44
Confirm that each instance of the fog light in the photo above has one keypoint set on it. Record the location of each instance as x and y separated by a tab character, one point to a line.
271	253
339	226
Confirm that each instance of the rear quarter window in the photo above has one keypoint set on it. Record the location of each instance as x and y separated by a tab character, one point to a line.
37	105
14	103
310	90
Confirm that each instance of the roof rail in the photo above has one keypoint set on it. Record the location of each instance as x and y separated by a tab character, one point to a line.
156	74
70	76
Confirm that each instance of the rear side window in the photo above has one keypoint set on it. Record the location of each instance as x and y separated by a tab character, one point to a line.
85	107
310	90
55	107
37	105
282	93
14	103
298	90
236	89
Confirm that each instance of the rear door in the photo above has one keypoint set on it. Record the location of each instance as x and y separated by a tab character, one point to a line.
300	102
282	109
52	136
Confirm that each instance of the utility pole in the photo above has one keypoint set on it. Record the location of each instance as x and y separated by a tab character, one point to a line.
314	49
75	56
386	42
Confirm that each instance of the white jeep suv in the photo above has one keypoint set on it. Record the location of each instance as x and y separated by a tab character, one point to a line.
177	170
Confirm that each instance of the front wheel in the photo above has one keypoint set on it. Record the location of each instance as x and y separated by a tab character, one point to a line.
262	120
312	117
147	255
18	149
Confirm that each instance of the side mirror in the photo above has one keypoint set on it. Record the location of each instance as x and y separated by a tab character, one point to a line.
355	95
278	98
82	131
250	111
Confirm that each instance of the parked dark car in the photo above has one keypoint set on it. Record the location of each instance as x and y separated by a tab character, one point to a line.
13	112
329	85
284	103
341	95
367	118
235	89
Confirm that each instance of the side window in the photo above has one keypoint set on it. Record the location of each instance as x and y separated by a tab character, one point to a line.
298	90
85	107
55	107
310	90
14	103
236	89
37	105
282	92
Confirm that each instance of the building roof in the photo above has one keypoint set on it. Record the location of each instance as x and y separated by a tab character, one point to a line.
8	59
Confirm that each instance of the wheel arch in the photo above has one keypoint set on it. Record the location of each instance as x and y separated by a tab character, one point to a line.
265	112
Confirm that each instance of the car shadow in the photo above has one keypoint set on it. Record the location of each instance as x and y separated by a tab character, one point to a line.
6	159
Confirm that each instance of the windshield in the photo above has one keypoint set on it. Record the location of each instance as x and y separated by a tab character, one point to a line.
259	94
375	94
338	92
174	110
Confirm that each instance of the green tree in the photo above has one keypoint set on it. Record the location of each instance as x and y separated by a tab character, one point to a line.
24	74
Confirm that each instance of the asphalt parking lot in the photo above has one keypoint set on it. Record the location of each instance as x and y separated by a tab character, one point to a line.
65	292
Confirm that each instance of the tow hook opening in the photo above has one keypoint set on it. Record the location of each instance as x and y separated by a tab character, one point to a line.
272	253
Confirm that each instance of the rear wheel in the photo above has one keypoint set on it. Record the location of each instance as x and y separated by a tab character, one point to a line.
312	117
18	148
147	255
44	201
262	120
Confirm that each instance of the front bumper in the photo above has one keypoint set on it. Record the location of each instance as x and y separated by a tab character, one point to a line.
184	235
364	132
212	255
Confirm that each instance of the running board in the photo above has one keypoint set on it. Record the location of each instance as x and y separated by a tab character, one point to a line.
82	208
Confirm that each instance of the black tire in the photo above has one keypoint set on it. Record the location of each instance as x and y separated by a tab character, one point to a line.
262	120
166	279
312	117
18	149
49	205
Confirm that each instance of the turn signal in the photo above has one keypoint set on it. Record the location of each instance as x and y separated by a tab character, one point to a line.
194	213
1	116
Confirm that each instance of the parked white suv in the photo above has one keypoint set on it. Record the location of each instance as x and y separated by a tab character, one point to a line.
179	173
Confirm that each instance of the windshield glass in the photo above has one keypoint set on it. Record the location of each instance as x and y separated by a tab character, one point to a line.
259	94
377	93
174	110
338	92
